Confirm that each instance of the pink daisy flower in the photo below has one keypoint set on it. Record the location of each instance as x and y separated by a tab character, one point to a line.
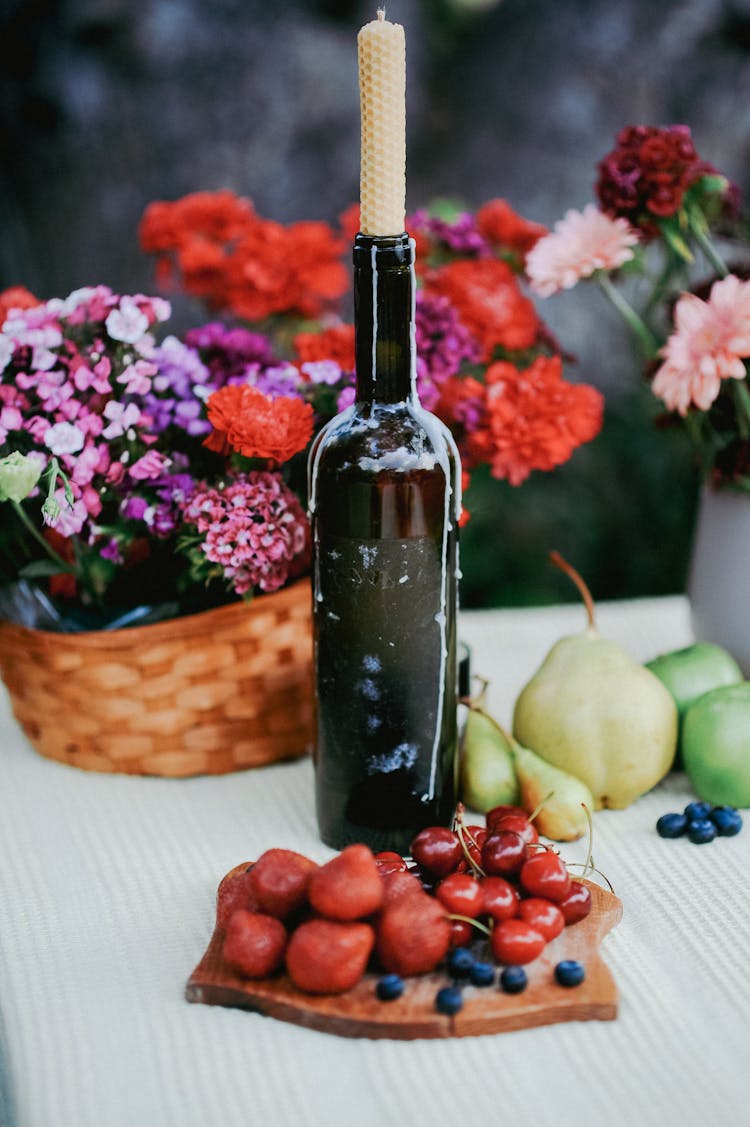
711	339
582	242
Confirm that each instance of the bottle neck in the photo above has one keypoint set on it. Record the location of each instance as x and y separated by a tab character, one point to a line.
383	317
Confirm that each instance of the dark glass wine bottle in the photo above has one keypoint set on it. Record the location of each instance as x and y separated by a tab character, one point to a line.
384	502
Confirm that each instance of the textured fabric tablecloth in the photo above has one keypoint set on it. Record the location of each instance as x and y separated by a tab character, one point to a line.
106	903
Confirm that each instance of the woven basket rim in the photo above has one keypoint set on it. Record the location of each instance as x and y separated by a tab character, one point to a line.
186	625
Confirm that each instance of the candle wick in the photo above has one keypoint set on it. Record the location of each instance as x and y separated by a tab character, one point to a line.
381	13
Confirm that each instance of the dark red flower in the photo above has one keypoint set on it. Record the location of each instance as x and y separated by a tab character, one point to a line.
645	177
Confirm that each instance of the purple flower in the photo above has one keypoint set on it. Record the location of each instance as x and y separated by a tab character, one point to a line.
444	345
460	235
322	371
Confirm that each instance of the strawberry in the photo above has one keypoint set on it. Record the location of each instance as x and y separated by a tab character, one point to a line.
234	892
347	887
278	881
413	935
254	944
327	956
398	885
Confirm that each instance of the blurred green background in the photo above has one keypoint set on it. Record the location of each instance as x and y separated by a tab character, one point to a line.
108	104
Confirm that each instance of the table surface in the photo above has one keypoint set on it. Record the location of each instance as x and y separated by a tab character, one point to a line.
106	904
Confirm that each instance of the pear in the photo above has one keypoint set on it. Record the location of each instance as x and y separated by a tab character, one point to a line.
595	712
488	776
557	797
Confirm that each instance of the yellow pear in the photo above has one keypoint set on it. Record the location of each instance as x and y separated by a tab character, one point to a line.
557	797
594	712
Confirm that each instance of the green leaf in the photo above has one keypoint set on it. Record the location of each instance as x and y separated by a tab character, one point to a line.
675	240
40	569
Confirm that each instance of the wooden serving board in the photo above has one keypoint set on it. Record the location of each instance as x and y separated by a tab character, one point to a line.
359	1013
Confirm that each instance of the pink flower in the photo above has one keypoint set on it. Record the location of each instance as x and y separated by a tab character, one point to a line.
254	528
711	339
121	418
127	323
582	242
64	438
150	465
71	518
137	377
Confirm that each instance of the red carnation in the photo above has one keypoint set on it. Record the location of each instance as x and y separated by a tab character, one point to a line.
536	418
334	343
488	301
644	178
505	228
257	426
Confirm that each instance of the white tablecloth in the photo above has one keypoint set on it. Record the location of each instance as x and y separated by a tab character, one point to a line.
106	903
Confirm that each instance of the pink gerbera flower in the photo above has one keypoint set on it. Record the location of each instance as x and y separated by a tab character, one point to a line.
582	242
711	339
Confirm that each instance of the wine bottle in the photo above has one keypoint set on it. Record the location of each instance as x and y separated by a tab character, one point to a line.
384	503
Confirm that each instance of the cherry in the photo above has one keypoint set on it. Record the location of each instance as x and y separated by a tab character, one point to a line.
520	824
498	812
437	849
478	834
544	874
577	904
461	933
460	893
543	915
516	942
503	853
499	898
388	862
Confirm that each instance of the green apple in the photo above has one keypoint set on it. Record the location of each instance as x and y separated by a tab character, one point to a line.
693	671
716	745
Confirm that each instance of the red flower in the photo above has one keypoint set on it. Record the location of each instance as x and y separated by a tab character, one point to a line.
536	418
488	301
645	176
257	426
217	247
349	222
334	343
16	297
503	227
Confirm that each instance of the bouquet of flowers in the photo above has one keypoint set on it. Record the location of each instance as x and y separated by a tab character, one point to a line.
661	209
139	471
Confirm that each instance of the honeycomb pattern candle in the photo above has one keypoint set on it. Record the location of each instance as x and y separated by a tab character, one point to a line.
382	88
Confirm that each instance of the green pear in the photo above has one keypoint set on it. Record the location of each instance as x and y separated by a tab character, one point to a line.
716	745
557	796
595	712
488	776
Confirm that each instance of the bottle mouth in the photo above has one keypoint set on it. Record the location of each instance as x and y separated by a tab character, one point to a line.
384	252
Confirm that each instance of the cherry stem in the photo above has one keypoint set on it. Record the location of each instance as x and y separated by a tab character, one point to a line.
589	857
593	869
570	571
469	920
461	834
541	805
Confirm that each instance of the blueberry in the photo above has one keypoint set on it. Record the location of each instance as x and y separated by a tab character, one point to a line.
570	973
389	987
727	820
513	980
671	825
448	1000
482	974
460	962
697	811
701	830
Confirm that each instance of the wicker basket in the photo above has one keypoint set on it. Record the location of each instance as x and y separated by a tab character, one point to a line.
204	694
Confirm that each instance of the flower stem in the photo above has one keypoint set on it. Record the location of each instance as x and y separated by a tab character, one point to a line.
742	402
23	517
709	250
639	327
